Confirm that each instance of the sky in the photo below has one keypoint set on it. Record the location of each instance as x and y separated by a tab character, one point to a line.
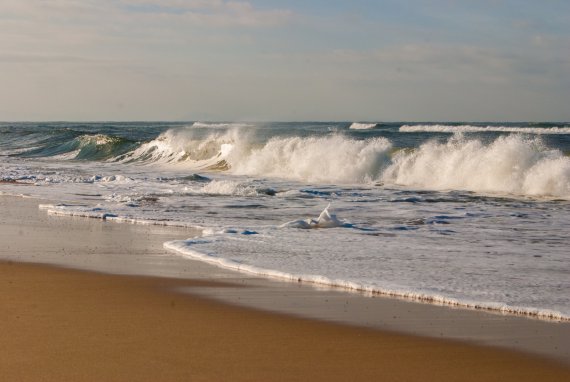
333	60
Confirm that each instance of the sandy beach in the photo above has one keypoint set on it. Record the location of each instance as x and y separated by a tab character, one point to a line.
71	325
65	324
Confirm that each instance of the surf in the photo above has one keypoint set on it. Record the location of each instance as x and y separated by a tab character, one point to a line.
562	130
510	164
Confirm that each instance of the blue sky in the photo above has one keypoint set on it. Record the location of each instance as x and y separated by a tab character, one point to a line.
486	60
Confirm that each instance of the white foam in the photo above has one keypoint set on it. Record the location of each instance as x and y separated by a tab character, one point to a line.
478	129
97	139
325	220
329	159
184	248
227	187
510	164
103	214
362	126
185	146
218	125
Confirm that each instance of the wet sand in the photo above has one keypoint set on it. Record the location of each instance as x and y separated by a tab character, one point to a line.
63	324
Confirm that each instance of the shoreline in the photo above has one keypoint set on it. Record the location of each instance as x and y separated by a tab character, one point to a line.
321	282
317	281
380	315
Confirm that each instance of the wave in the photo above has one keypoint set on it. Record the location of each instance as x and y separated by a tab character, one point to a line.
103	214
218	125
511	164
483	129
186	146
185	248
331	158
362	126
82	147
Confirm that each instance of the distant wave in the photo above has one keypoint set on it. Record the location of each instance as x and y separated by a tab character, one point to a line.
84	147
362	126
478	129
218	125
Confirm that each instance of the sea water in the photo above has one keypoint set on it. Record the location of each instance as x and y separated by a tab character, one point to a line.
472	215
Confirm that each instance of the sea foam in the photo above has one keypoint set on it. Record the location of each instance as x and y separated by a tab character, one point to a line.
362	126
510	164
483	129
329	159
214	125
186	145
187	248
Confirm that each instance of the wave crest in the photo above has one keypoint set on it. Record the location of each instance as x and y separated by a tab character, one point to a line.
362	126
186	146
219	125
482	129
82	147
329	159
510	164
332	158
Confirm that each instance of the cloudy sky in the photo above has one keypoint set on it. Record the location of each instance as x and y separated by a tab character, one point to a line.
383	60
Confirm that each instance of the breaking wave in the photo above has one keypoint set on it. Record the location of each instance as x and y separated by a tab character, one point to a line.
331	158
213	125
510	164
362	126
483	129
186	146
513	164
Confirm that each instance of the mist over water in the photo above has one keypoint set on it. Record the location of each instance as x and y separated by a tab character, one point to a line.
475	215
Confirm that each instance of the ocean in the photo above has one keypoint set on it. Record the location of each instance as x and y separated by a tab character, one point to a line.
474	215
